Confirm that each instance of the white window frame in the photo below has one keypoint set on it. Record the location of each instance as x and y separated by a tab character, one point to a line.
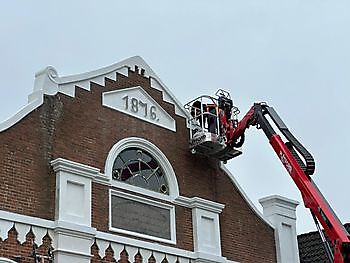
146	201
157	154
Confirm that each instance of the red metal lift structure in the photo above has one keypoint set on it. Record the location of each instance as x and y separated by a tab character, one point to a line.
216	132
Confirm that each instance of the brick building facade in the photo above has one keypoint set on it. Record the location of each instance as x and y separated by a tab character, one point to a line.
61	188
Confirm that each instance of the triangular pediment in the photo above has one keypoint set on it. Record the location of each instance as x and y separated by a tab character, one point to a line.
136	102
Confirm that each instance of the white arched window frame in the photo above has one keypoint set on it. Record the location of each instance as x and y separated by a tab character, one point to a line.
157	154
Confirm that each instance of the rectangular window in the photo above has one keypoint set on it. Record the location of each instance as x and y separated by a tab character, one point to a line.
142	217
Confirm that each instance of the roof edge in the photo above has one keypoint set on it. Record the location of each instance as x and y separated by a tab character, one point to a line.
24	111
48	81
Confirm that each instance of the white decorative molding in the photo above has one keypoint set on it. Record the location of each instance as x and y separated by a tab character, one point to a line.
64	165
72	242
22	230
183	255
5	226
206	226
68	247
281	212
206	232
135	101
197	202
201	257
32	105
279	205
157	154
102	179
245	196
23	225
45	82
73	191
33	221
48	82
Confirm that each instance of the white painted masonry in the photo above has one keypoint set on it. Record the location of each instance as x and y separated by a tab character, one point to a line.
73	191
280	211
73	234
206	226
135	101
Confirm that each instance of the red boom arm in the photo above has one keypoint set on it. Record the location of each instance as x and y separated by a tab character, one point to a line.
299	171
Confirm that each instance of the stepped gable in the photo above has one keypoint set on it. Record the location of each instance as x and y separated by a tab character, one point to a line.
48	82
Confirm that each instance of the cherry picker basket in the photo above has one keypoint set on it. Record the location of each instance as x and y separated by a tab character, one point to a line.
206	132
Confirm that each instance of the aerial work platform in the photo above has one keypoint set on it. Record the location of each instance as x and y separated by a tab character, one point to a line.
210	119
216	132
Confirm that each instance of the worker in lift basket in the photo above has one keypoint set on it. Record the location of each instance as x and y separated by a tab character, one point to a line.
209	115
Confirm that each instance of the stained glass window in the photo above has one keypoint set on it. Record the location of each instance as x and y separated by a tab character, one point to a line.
137	167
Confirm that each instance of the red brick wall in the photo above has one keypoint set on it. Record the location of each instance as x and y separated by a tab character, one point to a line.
27	182
82	130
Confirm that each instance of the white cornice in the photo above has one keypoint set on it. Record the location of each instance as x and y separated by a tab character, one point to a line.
48	82
63	165
33	221
279	200
74	229
197	202
280	205
102	179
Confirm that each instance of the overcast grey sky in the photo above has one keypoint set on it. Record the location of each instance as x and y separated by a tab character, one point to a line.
292	54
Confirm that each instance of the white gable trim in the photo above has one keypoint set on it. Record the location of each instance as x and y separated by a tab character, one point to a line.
48	82
32	105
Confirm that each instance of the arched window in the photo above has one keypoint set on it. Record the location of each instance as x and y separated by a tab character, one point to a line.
138	167
146	209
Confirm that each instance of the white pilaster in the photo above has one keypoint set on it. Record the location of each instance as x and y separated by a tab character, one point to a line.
73	232
206	227
280	211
